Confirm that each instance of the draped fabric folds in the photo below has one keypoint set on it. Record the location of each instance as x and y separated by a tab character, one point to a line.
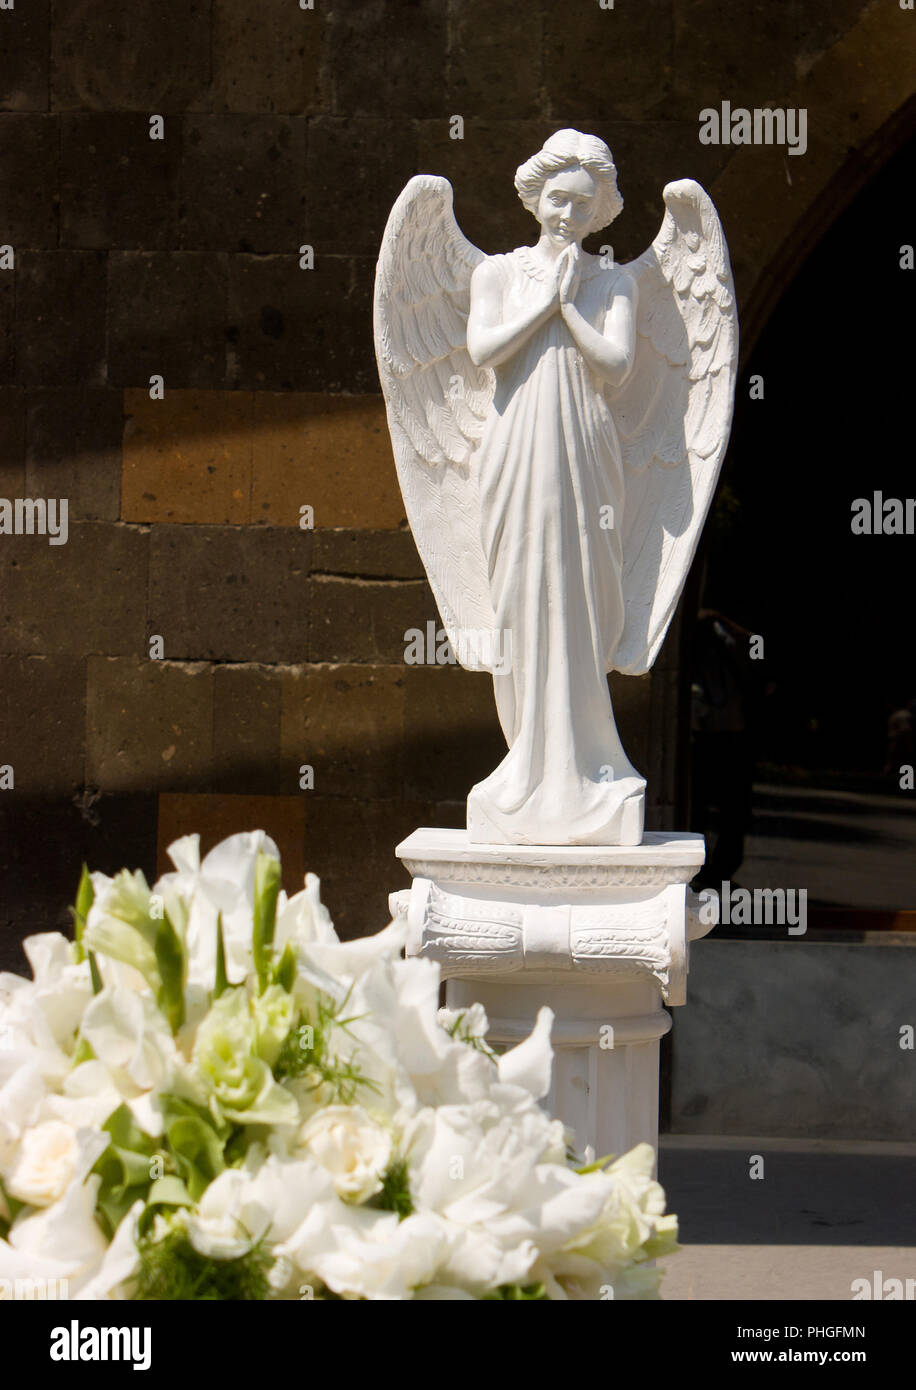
551	486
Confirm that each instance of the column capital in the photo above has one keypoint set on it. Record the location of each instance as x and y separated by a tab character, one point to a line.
619	912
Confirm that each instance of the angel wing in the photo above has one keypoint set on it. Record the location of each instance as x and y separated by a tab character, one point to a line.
674	413
436	401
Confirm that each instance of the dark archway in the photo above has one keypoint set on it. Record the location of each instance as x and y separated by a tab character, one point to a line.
825	709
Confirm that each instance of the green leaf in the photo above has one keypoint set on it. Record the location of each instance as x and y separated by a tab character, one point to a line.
221	982
169	1191
126	1133
83	1052
198	1152
196	1140
13	1203
133	1165
266	892
510	1293
176	1107
172	966
238	1144
124	1168
85	895
285	971
94	975
598	1164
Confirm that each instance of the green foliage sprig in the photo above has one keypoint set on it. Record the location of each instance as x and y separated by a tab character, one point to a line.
460	1030
517	1293
395	1194
172	1270
306	1052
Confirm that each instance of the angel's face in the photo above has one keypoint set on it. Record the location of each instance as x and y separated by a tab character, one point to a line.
566	206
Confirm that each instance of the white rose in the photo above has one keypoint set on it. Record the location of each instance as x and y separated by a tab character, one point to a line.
216	1229
45	1164
351	1147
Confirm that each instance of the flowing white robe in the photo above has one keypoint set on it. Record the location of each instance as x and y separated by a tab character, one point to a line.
551	498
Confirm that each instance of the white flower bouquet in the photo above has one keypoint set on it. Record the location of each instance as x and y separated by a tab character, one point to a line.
207	1095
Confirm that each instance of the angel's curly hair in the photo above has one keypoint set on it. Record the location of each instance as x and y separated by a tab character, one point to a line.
563	150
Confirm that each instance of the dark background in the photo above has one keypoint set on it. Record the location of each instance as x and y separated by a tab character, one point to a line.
835	609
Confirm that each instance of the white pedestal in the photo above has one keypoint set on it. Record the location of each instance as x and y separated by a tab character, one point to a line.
598	933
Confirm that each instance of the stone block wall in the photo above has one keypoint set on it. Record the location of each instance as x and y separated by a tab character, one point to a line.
179	258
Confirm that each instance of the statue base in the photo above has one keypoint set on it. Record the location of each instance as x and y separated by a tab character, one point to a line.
617	817
598	933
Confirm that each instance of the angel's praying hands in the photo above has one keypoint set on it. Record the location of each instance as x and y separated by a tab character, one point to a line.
557	497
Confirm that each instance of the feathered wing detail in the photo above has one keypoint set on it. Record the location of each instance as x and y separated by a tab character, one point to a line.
673	415
437	401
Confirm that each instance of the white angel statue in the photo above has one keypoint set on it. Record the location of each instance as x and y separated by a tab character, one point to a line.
558	424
